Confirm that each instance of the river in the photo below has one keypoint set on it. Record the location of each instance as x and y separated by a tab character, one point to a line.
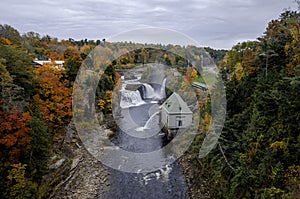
139	115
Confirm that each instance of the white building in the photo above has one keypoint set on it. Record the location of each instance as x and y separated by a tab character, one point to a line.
175	114
56	63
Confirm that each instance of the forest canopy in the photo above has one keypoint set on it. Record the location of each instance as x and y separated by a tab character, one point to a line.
257	155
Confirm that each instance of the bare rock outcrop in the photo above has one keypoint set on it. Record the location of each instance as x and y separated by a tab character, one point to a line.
74	173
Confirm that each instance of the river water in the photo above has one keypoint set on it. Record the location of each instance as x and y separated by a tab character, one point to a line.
167	182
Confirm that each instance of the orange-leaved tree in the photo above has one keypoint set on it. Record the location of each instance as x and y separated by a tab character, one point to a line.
54	96
14	136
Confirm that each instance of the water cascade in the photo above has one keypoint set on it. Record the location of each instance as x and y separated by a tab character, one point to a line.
154	119
131	98
149	92
136	98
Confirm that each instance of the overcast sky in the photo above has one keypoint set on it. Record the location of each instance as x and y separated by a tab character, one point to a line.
214	23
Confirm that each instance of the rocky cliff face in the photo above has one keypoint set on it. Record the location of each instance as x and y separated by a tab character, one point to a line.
74	173
195	177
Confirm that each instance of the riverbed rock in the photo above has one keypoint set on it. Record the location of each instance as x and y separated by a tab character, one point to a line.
129	76
57	164
133	87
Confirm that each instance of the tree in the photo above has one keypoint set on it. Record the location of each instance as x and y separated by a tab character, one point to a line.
10	33
40	145
20	186
73	62
105	103
14	136
14	145
53	95
18	64
260	136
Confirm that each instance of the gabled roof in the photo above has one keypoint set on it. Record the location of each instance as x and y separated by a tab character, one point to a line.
175	104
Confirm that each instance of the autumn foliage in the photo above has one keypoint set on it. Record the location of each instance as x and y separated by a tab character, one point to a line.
259	156
54	95
14	136
15	145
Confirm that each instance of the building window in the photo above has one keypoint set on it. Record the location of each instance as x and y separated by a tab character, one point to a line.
179	123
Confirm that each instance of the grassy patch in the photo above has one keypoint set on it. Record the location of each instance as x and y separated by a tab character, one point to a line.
207	78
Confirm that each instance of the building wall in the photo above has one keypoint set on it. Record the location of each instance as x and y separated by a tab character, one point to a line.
173	120
163	117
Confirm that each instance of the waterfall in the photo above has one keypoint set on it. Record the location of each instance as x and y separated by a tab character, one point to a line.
163	89
149	91
130	98
149	124
150	120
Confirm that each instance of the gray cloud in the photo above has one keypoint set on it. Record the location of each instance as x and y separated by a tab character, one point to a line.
219	23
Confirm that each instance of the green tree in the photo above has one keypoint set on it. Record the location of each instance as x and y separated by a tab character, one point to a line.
260	139
10	33
40	145
73	62
19	65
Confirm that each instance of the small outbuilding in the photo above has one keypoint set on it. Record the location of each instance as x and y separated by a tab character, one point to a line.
175	113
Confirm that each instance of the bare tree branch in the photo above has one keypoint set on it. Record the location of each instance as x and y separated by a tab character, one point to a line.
225	157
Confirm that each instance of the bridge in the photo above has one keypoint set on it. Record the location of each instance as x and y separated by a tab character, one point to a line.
200	85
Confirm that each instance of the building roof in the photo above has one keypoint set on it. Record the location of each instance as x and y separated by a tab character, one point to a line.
175	104
42	62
